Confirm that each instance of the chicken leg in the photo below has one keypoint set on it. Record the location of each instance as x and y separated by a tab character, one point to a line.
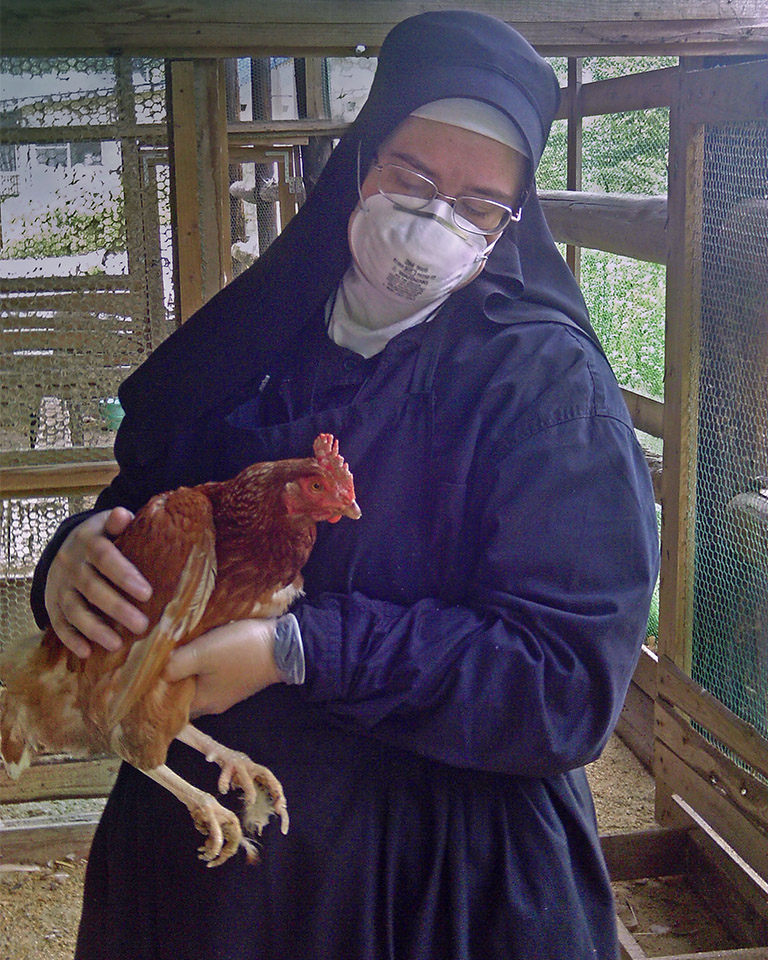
262	792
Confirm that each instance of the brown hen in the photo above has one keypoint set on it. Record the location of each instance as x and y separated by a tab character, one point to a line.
213	553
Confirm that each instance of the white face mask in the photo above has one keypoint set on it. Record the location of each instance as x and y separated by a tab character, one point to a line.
413	257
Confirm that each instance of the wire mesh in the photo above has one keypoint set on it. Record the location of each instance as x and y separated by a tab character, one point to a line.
623	153
730	582
85	274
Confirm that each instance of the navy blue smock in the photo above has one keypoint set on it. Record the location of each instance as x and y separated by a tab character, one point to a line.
469	641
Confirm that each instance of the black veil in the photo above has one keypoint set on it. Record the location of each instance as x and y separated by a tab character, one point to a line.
214	356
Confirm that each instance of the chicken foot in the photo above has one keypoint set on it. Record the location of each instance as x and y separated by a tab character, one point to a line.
262	792
220	826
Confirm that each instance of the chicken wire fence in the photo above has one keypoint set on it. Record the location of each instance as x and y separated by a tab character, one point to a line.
730	577
85	275
623	153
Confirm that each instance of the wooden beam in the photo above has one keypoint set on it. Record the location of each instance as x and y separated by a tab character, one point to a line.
60	778
629	226
744	791
680	691
59	478
659	852
230	28
683	310
676	780
646	411
629	948
636	91
268	132
42	839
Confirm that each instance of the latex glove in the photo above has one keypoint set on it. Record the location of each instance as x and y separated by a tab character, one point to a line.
82	585
231	663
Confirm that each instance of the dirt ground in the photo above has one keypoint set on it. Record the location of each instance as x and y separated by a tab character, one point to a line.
40	906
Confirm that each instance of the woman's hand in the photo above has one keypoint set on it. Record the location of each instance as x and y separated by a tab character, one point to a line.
231	663
82	585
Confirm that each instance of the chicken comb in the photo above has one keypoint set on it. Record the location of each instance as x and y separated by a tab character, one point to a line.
326	449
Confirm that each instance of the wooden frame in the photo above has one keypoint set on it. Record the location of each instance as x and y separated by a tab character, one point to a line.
254	28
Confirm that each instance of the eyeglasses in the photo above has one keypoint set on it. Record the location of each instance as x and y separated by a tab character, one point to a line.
411	190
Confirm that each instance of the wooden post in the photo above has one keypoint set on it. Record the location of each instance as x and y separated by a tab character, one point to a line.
573	177
200	181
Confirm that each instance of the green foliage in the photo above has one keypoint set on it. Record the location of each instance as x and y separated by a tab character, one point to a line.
626	303
62	232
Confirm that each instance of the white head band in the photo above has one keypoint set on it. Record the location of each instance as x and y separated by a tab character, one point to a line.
477	116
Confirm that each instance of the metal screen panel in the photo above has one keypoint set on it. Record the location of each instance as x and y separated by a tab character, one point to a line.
730	586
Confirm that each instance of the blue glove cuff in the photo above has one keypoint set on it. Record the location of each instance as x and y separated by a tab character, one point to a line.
289	649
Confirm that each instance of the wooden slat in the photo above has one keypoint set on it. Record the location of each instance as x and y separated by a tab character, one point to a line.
680	389
741	953
241	28
637	91
185	199
676	777
659	852
148	133
95	284
744	791
731	95
629	226
647	412
60	778
726	889
267	132
60	478
635	724
681	691
39	840
629	948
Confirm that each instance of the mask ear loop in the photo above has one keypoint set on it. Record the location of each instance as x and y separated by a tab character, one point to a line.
359	181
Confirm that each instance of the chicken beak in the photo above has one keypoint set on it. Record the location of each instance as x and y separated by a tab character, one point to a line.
352	511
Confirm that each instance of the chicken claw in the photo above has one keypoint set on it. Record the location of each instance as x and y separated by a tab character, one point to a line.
262	793
220	826
221	829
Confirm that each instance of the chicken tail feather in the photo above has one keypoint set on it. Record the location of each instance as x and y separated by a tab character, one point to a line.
148	656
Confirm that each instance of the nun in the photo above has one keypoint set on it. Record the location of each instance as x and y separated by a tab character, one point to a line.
464	650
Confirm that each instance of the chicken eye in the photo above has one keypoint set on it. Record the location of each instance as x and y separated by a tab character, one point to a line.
316	486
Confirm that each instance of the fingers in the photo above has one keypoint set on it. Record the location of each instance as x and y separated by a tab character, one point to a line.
84	586
185	662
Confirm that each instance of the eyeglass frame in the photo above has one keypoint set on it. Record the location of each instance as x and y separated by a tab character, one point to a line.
514	216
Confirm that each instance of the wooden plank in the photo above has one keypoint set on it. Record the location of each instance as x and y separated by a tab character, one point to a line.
740	953
185	203
680	390
646	411
675	778
269	132
636	91
629	948
727	890
96	284
38	840
574	153
60	478
60	778
659	852
635	724
241	28
729	94
678	689
148	133
645	672
629	226
213	176
744	791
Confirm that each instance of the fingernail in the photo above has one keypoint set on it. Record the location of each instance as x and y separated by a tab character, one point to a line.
112	644
140	588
